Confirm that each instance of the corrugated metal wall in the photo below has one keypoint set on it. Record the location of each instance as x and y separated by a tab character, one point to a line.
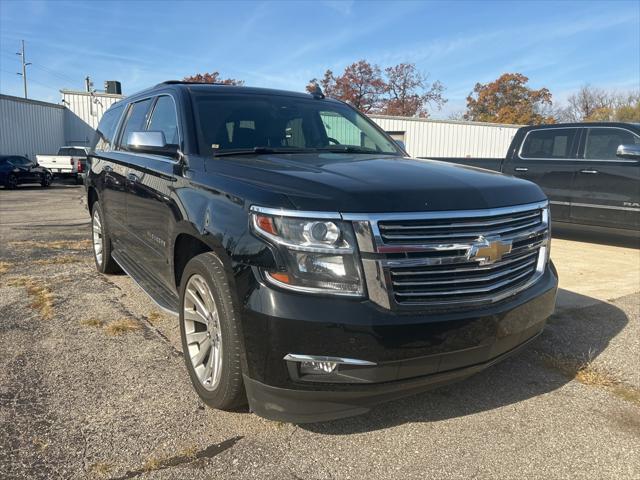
29	127
84	113
442	138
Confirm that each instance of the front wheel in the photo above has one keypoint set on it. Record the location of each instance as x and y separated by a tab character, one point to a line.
46	180
209	330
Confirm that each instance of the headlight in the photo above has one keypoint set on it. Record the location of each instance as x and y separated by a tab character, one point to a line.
320	254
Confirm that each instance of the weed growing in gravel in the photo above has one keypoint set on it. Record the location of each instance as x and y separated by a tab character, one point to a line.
91	322
59	260
55	245
100	468
154	317
122	326
40	444
41	296
152	464
587	373
4	267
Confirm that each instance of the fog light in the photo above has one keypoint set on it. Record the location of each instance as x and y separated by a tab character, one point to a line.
317	368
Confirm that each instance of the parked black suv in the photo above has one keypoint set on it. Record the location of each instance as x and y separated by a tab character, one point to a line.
313	265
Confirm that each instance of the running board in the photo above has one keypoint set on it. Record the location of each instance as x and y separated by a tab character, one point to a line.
161	296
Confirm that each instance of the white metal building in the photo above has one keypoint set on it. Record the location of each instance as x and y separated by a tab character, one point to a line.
84	111
29	127
448	138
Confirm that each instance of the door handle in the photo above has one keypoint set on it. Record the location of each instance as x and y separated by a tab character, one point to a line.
521	169
132	177
592	172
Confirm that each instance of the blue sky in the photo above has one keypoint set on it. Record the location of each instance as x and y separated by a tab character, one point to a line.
559	45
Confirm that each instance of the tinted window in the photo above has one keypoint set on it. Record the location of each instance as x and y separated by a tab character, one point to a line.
136	119
248	121
165	119
72	152
107	129
602	143
551	143
19	161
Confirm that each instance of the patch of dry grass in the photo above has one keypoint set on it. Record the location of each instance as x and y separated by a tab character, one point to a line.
40	444
189	452
41	296
154	317
100	468
54	245
58	260
588	373
92	322
122	326
4	267
152	464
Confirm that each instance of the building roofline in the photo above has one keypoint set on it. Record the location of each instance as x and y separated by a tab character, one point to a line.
88	94
455	122
28	100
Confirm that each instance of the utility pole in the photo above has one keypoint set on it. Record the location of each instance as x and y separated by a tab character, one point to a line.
24	69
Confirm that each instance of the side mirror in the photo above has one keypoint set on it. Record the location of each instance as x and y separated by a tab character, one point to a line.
629	151
151	142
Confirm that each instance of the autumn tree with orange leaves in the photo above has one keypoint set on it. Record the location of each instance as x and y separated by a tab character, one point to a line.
509	100
213	77
400	90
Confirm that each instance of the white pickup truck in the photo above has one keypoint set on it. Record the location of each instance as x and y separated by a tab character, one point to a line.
69	162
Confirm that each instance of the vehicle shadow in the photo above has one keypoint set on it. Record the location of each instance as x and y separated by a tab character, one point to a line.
37	187
572	337
605	238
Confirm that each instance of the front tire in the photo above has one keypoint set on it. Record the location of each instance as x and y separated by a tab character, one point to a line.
46	180
210	336
101	242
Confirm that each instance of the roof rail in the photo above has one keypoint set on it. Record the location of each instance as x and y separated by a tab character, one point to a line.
188	82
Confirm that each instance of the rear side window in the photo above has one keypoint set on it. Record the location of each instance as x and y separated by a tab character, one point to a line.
602	143
165	119
107	129
551	143
136	119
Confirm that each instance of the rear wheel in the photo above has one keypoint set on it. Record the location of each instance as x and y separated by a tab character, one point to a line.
209	329
101	242
12	181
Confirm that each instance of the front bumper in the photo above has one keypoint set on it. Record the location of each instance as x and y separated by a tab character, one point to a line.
412	351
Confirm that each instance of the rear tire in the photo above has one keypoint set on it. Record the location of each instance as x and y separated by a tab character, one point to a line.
210	335
101	242
79	179
12	181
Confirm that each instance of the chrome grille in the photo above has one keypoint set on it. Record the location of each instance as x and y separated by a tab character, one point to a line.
413	260
460	230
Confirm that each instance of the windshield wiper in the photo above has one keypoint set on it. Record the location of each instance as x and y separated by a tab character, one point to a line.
353	149
259	151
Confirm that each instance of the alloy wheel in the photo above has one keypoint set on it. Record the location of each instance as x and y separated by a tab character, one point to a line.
202	331
98	238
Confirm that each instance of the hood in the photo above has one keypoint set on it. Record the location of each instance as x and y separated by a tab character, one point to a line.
377	183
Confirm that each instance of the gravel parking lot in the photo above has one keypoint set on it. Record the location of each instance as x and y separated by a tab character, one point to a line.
93	385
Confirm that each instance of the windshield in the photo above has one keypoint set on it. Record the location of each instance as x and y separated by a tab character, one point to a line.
281	123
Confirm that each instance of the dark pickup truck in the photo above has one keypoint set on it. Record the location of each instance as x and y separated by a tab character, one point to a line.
316	270
589	171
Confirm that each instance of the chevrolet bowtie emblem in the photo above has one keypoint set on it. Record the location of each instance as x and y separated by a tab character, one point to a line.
489	250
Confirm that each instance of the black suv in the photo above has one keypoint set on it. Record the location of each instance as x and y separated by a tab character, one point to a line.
316	270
